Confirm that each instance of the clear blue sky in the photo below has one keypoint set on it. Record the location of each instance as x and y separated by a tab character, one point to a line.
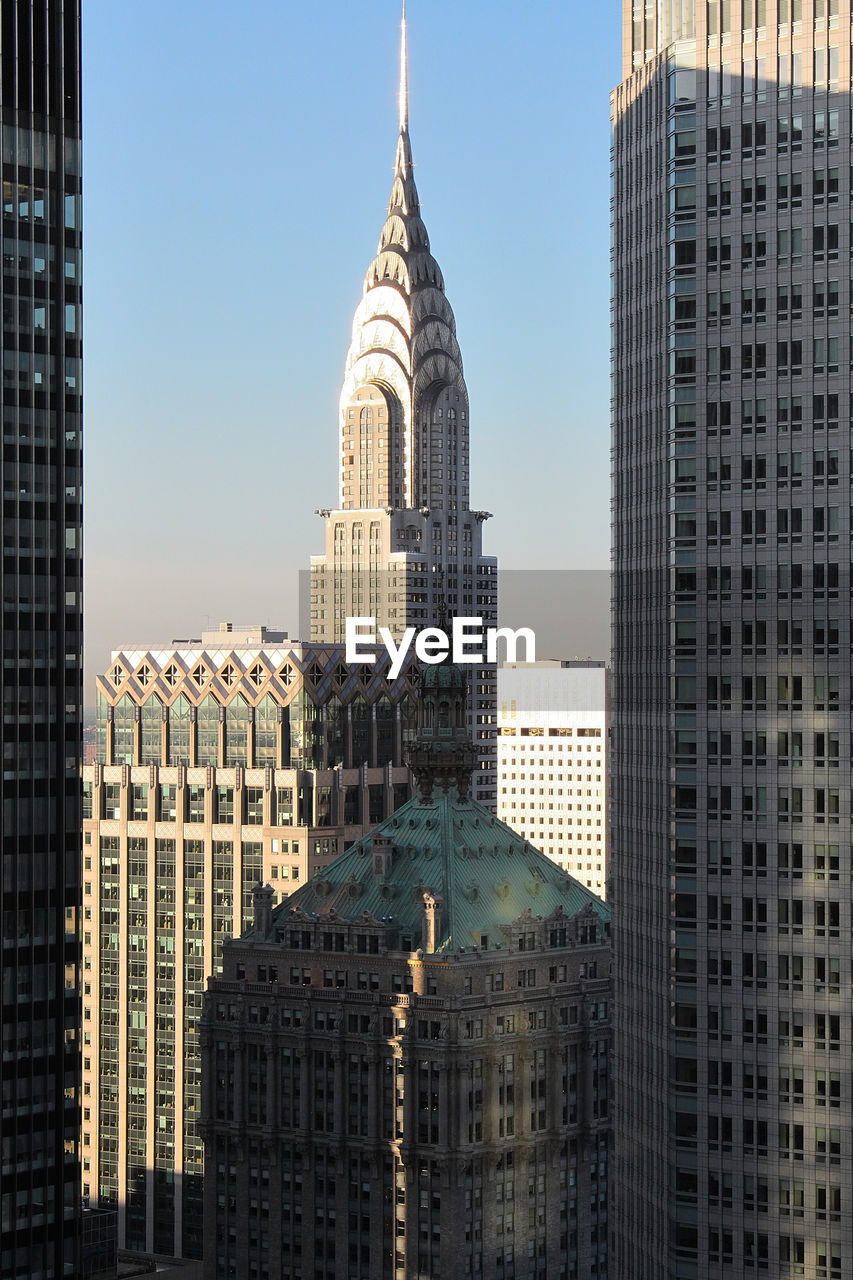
237	166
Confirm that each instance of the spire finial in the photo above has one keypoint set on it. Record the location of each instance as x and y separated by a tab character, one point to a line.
404	77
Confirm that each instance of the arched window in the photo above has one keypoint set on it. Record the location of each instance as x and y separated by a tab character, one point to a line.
444	716
295	754
266	731
311	735
207	731
152	731
179	731
360	733
237	731
336	732
124	731
409	716
385	732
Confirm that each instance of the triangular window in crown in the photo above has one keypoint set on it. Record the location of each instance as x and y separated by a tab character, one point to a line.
229	675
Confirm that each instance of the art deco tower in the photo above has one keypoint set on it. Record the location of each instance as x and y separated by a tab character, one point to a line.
41	627
223	760
731	869
403	537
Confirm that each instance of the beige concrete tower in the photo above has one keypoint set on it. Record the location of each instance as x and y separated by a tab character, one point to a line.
403	537
223	760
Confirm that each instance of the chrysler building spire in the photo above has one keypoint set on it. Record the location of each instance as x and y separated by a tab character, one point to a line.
403	536
404	347
404	76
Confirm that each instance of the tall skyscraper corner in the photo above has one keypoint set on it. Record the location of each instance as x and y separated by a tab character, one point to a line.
730	842
41	639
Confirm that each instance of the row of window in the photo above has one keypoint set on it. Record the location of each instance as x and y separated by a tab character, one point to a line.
753	692
541	732
35	205
722	802
785	859
753	136
250	806
755	246
32	148
299	735
826	1256
751	469
797	73
786	413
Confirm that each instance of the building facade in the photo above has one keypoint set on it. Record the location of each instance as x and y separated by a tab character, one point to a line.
237	757
730	847
405	1066
552	762
403	541
41	638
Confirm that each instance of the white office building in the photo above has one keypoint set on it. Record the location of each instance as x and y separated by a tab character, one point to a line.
552	752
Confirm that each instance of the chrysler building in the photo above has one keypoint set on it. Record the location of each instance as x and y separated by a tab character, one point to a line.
403	541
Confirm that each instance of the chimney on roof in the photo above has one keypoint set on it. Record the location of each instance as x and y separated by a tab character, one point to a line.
382	848
433	902
262	902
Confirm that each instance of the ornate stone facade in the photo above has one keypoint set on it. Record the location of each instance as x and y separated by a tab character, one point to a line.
373	1108
405	1066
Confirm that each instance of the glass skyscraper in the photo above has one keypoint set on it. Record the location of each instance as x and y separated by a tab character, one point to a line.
731	839
41	638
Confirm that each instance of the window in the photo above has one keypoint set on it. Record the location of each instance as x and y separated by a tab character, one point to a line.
168	803
195	803
139	802
237	731
284	806
207	731
178	748
224	804
254	806
124	731
266	732
152	731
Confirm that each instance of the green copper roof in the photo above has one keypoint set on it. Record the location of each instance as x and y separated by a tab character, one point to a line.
444	675
485	873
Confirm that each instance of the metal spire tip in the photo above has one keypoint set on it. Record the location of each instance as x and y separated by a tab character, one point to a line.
404	76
